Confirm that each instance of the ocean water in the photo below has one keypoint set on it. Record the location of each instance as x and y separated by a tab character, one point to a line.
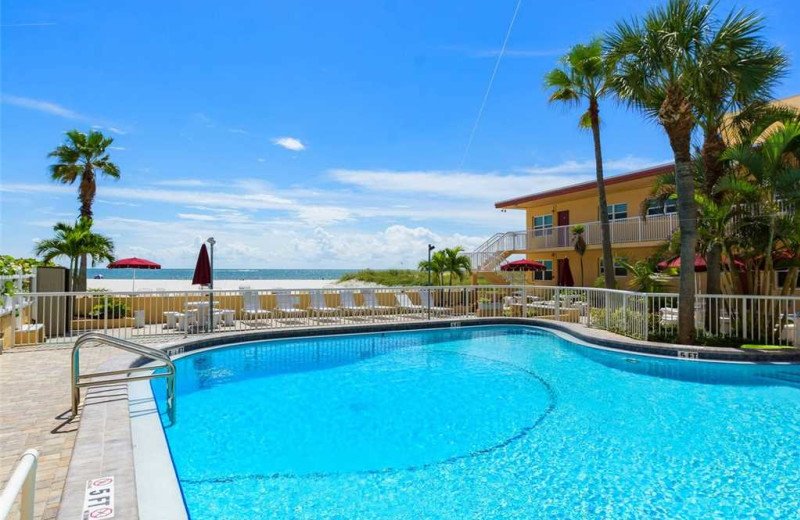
497	423
222	274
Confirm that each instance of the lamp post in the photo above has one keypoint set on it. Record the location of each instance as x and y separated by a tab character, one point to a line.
431	247
211	242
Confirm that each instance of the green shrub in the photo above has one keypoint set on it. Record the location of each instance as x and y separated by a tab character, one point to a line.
111	308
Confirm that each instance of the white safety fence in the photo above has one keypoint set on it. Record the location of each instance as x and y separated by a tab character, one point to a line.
719	319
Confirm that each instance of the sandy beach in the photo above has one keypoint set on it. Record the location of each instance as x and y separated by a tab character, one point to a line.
223	285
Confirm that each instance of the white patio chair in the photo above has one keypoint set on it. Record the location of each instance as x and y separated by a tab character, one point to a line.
347	302
226	316
252	306
427	299
318	304
286	305
187	320
172	319
371	302
405	303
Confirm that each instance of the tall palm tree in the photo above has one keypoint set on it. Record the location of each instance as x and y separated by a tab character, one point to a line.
739	69
75	242
655	60
582	78
456	264
579	244
81	158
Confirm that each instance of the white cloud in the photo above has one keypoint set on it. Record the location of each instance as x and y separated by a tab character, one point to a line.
237	131
290	143
39	105
623	165
491	186
117	130
118	148
186	183
260	159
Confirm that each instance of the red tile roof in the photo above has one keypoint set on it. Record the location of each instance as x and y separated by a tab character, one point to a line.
610	181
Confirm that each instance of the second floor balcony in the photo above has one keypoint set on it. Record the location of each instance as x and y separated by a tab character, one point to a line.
656	228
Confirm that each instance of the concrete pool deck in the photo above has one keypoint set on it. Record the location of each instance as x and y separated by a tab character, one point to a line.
34	409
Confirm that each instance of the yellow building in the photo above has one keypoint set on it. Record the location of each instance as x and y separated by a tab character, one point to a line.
551	215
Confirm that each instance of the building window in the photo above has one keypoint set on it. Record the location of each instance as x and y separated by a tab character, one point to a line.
617	211
619	270
782	278
541	223
547	274
662	208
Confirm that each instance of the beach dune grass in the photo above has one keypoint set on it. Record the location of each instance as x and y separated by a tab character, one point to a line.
402	277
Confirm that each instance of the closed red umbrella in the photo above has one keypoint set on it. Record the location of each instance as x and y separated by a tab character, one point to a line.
202	270
133	263
565	278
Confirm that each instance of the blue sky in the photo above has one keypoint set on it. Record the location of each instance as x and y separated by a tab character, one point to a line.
305	134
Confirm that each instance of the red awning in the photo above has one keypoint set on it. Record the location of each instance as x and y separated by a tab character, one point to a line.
202	271
523	265
133	263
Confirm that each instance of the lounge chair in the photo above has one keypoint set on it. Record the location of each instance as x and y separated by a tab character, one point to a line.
371	302
318	305
286	305
348	303
252	306
405	303
427	300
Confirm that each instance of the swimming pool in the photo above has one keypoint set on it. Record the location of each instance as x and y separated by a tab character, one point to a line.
493	422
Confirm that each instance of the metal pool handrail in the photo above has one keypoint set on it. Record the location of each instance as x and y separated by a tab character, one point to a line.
23	479
85	380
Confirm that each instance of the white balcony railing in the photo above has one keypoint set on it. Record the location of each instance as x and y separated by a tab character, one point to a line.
490	254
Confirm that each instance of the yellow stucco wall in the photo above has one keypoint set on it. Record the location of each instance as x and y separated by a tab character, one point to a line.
583	206
591	264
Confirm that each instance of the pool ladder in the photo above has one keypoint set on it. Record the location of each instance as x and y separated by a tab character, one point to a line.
89	380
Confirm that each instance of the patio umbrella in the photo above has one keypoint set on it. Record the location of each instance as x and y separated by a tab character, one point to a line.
202	270
565	274
523	265
699	264
133	263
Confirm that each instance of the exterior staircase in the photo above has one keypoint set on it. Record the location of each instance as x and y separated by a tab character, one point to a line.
487	258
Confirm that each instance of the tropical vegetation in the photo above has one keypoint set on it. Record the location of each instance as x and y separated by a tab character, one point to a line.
81	158
75	242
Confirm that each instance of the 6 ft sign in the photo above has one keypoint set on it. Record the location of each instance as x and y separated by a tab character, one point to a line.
98	503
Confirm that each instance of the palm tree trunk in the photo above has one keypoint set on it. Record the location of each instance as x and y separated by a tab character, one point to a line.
88	188
582	284
713	147
687	215
675	115
605	230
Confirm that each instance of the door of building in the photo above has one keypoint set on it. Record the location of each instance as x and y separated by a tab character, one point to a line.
563	228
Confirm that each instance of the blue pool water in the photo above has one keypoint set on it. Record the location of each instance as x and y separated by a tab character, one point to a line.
484	423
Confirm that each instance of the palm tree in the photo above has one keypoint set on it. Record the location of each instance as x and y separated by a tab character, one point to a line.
81	158
579	244
655	61
582	77
437	266
739	69
75	242
644	276
769	176
456	264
